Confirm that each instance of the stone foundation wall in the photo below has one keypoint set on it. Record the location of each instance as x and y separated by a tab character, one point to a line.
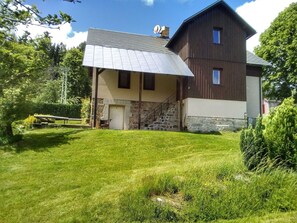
167	121
209	124
145	108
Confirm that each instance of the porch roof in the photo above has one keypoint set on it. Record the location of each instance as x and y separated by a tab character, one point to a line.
253	59
124	51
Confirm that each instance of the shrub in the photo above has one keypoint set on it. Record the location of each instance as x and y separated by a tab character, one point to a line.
274	139
28	122
253	146
85	110
281	134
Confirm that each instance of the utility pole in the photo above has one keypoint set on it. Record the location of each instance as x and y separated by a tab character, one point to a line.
65	71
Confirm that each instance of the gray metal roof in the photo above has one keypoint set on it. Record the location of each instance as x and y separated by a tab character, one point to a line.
124	51
253	59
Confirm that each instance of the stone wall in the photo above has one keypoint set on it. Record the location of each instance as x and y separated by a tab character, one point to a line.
210	124
168	121
145	108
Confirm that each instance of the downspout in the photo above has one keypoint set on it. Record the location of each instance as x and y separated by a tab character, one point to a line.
98	72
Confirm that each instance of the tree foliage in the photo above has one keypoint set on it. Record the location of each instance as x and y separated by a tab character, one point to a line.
20	66
25	63
78	79
16	12
278	45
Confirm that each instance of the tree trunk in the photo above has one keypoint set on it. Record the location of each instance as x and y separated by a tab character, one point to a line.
8	131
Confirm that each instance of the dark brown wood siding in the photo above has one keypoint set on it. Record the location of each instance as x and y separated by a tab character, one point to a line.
255	71
181	44
202	56
233	37
232	86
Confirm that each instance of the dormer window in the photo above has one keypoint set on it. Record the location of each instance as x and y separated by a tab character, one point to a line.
216	35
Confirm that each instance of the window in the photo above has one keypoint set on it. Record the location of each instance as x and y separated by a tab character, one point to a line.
216	34
149	82
216	76
124	79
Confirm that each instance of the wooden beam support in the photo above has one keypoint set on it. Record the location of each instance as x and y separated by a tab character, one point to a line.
140	100
98	72
181	103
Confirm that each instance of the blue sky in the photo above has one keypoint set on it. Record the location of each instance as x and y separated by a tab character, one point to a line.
140	16
134	16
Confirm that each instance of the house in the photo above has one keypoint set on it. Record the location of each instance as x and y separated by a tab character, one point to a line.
201	79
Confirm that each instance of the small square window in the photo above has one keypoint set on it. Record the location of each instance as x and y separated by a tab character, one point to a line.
216	76
216	34
149	82
124	79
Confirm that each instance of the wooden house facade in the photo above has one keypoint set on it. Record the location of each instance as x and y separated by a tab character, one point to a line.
214	83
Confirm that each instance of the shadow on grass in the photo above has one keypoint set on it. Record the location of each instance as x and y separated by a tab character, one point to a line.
204	133
41	142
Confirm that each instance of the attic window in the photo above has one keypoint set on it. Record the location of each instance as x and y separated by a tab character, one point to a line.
216	34
124	79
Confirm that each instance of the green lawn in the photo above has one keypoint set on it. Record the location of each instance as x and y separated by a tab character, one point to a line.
68	175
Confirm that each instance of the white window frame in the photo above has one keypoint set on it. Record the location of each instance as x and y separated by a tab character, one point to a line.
218	32
216	80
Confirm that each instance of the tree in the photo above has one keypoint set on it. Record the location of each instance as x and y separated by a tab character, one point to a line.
16	12
21	63
79	84
20	66
278	45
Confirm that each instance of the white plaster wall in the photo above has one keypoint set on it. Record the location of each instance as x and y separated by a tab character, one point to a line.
165	86
214	108
253	96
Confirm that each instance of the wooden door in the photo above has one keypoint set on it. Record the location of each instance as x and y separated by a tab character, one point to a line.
116	117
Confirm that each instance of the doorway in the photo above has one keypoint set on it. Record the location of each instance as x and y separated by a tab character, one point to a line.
116	117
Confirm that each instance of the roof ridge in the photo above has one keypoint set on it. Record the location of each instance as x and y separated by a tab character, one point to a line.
115	31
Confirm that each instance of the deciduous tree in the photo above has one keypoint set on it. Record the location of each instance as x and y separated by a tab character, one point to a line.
78	79
278	45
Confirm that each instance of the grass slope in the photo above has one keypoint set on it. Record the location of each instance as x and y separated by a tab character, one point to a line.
66	175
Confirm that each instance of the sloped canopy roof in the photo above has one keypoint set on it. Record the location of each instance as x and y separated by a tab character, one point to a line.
220	3
124	51
252	59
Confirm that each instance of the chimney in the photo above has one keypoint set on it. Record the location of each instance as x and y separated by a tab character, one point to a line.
165	32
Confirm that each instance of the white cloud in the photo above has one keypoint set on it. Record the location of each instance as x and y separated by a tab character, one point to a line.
149	2
259	14
64	34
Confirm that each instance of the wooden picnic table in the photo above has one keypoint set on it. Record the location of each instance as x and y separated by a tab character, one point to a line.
48	118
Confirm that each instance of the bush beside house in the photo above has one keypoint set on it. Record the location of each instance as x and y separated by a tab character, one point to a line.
273	142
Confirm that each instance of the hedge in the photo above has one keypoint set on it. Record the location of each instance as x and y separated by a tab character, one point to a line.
65	110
